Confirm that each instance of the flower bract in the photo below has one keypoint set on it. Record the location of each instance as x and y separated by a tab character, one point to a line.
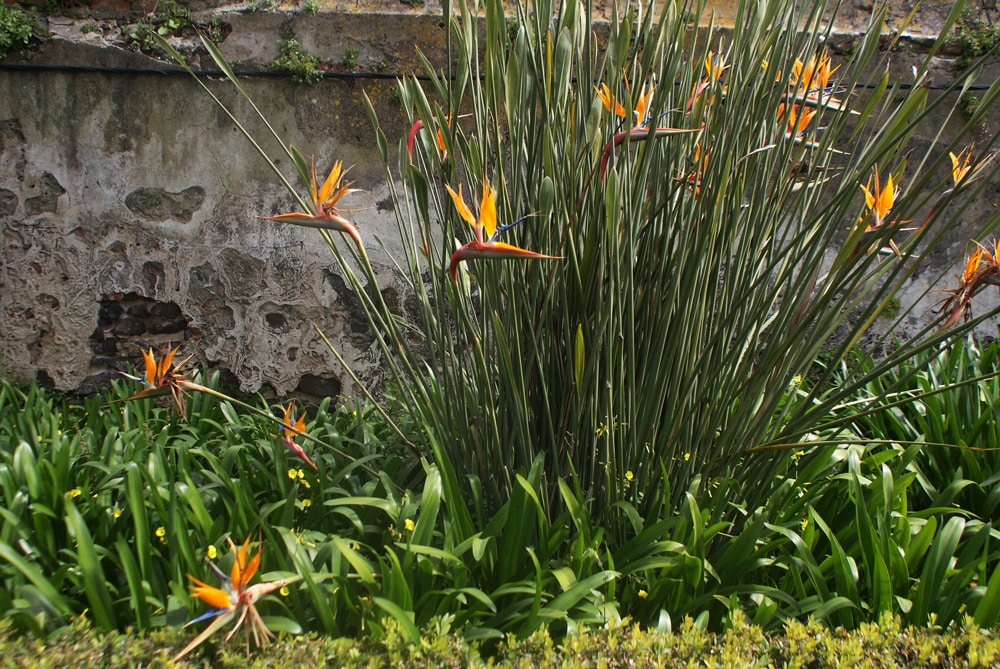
484	228
325	199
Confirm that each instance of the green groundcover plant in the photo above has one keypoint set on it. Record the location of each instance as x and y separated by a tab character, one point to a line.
628	249
851	533
882	644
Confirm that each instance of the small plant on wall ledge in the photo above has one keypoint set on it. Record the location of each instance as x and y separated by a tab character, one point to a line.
16	27
351	59
975	39
169	21
302	65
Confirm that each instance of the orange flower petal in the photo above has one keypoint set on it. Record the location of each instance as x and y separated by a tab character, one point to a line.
331	181
165	363
150	361
488	210
214	597
239	562
463	209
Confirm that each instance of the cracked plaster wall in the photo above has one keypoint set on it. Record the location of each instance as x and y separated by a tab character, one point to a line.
136	189
130	205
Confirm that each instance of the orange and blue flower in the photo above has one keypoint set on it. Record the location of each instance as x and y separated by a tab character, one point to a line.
485	230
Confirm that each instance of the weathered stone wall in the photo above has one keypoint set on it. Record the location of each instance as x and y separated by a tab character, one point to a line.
130	206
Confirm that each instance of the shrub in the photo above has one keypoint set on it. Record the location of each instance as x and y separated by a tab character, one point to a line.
975	39
302	65
16	27
886	643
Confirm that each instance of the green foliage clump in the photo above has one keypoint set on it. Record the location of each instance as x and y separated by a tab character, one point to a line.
16	26
293	59
351	58
974	39
260	5
969	104
885	644
379	542
165	496
216	30
170	20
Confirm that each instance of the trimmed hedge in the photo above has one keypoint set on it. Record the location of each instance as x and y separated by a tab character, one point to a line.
887	644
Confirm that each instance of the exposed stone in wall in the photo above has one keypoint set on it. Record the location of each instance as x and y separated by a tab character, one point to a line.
46	200
8	202
156	204
127	325
319	386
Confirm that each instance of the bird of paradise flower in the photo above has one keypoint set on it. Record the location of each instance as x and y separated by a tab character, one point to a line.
235	600
438	138
715	67
611	104
164	377
642	131
981	269
485	229
325	198
810	82
880	199
289	428
796	118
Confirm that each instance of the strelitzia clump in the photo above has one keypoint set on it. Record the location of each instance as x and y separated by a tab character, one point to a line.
689	277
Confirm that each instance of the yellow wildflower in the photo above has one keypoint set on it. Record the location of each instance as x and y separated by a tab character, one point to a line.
409	525
74	493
